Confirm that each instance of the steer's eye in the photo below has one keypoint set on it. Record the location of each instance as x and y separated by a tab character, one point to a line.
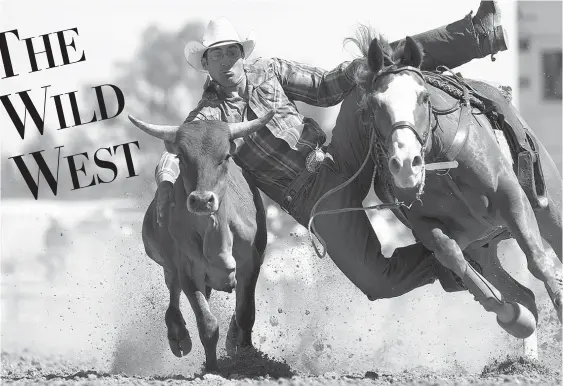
224	160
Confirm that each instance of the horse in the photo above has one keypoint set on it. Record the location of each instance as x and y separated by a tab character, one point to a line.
463	210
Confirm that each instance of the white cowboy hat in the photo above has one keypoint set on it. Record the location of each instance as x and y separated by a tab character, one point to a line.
219	32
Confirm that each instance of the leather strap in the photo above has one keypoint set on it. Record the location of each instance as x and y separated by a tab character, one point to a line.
461	134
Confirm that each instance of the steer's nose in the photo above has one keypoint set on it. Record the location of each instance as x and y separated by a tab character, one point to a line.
203	202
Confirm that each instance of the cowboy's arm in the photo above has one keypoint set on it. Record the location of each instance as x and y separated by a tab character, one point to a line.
167	169
313	85
166	173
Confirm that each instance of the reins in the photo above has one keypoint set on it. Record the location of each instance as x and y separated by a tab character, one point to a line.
311	226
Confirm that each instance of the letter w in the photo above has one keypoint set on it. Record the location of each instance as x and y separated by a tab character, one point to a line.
43	168
29	106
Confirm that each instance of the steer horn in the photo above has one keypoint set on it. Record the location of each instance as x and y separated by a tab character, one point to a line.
242	129
166	133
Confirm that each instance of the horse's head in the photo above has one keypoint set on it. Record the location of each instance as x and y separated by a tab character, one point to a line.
397	104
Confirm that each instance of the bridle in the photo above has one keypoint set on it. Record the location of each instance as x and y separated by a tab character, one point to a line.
405	124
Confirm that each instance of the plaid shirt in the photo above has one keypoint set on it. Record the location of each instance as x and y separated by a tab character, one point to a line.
276	154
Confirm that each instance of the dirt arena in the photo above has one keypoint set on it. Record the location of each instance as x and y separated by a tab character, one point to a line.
93	314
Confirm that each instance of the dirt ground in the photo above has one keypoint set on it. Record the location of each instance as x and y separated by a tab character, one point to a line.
93	314
258	369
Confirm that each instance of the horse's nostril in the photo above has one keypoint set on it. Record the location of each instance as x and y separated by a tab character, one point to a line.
417	161
394	165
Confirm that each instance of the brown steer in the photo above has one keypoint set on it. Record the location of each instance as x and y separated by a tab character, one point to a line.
214	236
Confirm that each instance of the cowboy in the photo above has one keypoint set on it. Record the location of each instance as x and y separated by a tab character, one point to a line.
283	157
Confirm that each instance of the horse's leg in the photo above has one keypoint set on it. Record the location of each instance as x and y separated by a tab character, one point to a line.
519	217
192	280
512	317
511	289
549	219
178	336
239	335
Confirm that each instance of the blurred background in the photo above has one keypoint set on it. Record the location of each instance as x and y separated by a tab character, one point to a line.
76	283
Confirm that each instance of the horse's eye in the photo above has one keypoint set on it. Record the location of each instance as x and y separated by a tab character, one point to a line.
425	97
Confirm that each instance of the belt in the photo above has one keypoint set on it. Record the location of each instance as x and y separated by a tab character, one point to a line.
312	165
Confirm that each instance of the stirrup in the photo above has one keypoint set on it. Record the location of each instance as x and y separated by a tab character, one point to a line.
529	168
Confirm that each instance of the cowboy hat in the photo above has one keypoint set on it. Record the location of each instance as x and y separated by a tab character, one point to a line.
219	32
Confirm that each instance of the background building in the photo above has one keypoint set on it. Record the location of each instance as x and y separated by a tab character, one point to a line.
539	67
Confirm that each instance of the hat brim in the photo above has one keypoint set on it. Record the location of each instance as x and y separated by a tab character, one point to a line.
193	51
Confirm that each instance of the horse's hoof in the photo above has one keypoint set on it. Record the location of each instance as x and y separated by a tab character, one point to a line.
182	347
522	325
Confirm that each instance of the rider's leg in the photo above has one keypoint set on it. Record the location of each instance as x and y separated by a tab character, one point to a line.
464	40
353	245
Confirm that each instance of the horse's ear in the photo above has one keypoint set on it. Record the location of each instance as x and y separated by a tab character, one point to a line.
412	55
375	56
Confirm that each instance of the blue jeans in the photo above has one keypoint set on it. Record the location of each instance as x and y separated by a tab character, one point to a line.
450	45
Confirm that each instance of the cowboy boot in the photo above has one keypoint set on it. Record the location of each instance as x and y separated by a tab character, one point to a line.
514	318
490	32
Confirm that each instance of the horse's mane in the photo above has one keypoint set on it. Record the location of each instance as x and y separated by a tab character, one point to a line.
364	36
363	75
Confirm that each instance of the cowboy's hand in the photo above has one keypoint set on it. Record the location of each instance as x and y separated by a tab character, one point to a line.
164	200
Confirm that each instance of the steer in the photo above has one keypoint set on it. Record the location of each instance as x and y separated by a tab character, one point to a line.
213	237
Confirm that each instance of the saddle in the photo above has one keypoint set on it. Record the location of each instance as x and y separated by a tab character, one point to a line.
494	103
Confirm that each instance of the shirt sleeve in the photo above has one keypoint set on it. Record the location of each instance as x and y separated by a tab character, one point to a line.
168	168
313	85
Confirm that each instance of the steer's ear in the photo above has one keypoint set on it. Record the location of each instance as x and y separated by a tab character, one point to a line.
235	145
